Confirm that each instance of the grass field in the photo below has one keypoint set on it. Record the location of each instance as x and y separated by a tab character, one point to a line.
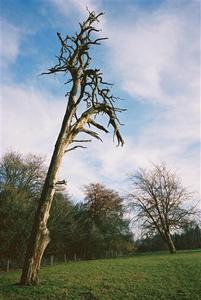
151	276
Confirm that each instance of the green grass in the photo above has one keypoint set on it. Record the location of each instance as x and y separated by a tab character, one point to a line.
150	276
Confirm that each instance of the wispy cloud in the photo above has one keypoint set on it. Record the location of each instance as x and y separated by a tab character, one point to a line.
66	7
30	120
10	38
157	54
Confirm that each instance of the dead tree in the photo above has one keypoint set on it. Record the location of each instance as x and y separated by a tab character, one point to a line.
158	201
89	93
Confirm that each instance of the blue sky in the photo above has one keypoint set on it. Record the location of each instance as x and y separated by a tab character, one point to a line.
152	57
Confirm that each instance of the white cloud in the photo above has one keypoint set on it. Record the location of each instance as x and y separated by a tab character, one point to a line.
10	38
157	54
30	120
66	7
148	53
77	10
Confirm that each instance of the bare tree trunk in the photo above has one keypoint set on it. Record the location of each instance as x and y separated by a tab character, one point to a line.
40	234
170	243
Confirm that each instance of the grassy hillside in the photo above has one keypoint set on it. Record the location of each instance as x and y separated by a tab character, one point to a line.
150	276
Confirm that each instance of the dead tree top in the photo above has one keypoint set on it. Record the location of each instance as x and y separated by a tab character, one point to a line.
74	61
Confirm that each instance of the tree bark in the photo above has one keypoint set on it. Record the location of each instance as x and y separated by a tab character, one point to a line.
40	234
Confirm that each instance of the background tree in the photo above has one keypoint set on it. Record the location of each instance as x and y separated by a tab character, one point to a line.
102	229
150	243
21	180
87	87
158	200
22	173
189	237
61	224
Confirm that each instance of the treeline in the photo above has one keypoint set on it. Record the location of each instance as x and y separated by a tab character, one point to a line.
96	227
188	238
93	228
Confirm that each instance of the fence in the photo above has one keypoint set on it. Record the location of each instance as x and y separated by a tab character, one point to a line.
14	264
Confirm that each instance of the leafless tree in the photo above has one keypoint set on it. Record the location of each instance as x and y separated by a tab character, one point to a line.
89	88
158	199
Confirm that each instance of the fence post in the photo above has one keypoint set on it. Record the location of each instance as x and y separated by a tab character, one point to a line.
8	265
75	257
51	260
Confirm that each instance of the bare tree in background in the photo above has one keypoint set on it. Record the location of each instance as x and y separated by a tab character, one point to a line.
157	200
87	87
